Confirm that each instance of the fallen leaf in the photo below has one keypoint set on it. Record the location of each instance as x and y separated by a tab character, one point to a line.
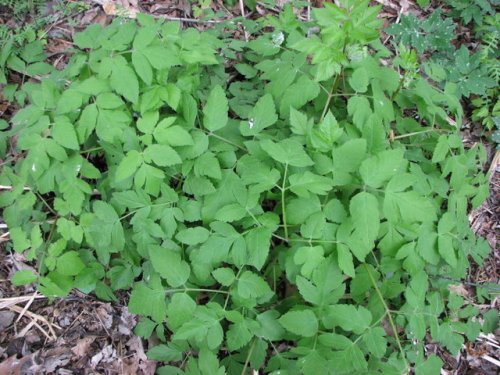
82	346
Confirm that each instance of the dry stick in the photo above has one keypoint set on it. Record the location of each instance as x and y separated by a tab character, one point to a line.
7	302
242	9
26	307
184	19
35	317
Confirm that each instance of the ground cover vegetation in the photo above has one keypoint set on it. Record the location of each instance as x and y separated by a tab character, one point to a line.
287	203
472	74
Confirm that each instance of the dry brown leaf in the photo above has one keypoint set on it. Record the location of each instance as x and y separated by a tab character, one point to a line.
459	289
123	8
82	346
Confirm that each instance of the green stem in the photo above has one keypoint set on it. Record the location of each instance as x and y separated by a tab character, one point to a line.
91	150
328	100
417	133
196	290
151	205
388	312
46	204
331	94
210	134
283	207
247	360
398	89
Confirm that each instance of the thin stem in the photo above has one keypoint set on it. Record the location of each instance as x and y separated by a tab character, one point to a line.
150	205
210	134
46	204
400	86
417	133
91	150
196	290
283	207
373	325
279	237
247	360
330	96
388	311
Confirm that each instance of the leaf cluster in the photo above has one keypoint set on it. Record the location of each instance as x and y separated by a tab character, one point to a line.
473	75
285	204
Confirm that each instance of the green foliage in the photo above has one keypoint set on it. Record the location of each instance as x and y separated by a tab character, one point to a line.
474	75
472	10
277	221
434	33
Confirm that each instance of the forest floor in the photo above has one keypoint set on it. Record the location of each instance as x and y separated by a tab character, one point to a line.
82	335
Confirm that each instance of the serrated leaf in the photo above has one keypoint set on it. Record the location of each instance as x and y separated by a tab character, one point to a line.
251	285
148	301
64	133
24	277
128	165
162	155
258	243
180	310
238	335
173	135
303	323
375	341
359	80
298	122
348	156
124	81
215	112
169	265
345	260
262	116
70	264
366	222
142	67
309	257
164	353
350	318
303	183
224	275
147	122
193	236
231	212
381	167
431	366
287	151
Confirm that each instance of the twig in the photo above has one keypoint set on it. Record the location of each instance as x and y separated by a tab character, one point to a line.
7	302
26	307
242	10
7	187
496	362
184	19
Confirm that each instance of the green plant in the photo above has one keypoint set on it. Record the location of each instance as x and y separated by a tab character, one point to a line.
473	75
433	34
281	209
472	10
24	8
487	106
